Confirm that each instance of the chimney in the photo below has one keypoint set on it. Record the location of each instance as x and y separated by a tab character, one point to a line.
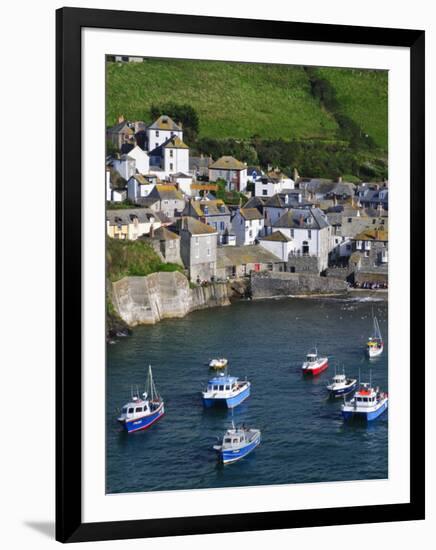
121	119
340	179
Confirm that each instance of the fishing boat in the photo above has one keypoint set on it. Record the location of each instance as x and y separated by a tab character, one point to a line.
218	363
314	364
225	391
142	411
374	346
237	443
367	404
341	385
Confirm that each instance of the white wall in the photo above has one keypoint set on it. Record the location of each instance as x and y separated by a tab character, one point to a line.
179	162
27	504
142	160
157	140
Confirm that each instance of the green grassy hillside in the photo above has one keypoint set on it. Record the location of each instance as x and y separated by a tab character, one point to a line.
237	100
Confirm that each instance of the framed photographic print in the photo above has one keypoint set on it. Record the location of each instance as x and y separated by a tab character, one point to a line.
240	213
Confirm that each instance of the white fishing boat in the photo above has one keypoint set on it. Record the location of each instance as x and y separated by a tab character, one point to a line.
374	346
218	363
237	443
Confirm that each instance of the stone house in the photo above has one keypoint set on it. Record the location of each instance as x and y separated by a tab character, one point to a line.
199	166
247	225
167	199
166	243
232	171
198	248
213	212
121	133
370	251
240	261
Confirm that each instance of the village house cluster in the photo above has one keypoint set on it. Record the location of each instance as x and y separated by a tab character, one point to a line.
168	198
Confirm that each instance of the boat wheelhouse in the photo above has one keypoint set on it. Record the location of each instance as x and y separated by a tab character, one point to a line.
374	346
314	364
367	404
237	443
226	391
341	385
142	411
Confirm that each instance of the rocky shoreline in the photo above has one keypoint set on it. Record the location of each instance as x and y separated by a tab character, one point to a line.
148	300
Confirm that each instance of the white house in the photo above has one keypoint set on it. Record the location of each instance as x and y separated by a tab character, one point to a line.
138	186
113	195
161	130
183	182
267	187
310	232
277	243
247	225
125	166
141	158
175	156
232	171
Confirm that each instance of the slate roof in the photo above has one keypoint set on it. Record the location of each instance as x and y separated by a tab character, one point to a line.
250	214
193	226
164	122
121	127
228	256
199	162
302	218
125	216
174	143
279	199
277	236
376	234
227	163
166	192
213	208
255	202
164	234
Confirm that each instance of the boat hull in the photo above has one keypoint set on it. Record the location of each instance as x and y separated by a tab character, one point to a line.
342	391
374	352
233	455
316	370
365	416
138	424
227	402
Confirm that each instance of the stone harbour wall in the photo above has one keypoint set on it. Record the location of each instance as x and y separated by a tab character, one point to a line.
271	285
147	300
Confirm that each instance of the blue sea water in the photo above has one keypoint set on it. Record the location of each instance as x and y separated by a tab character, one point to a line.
303	436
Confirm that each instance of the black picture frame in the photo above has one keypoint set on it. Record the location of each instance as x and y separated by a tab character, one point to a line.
69	23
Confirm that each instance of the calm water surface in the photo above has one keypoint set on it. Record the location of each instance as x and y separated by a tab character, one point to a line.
303	436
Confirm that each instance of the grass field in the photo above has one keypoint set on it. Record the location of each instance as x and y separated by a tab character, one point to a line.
238	100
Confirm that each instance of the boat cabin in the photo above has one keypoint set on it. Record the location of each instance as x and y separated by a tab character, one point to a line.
135	407
311	357
233	438
222	384
339	379
366	396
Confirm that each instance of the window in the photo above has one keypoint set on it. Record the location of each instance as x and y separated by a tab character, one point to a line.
124	410
138	409
208	251
305	248
227	388
171	153
221	388
264	192
309	233
197	240
222	226
350	220
227	440
292	233
171	166
131	410
156	145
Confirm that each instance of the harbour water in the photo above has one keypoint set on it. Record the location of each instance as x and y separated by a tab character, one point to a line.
304	439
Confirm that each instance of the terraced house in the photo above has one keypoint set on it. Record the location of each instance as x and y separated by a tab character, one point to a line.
247	225
213	212
198	247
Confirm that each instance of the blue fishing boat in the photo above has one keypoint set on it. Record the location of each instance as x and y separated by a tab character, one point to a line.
142	412
367	404
341	385
237	443
225	391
